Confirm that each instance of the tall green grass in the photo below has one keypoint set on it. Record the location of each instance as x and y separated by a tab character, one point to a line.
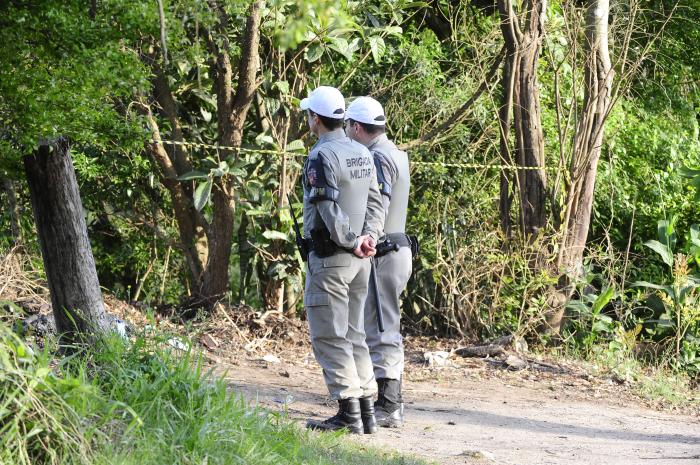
37	423
138	403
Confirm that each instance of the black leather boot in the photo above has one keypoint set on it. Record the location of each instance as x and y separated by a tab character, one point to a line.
369	423
348	418
389	406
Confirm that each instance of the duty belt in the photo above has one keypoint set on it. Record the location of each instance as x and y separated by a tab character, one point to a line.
401	239
392	242
323	250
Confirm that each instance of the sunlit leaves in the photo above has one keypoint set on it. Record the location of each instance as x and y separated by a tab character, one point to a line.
202	194
378	48
61	72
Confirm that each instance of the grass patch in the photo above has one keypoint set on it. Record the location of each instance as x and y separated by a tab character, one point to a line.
669	387
659	383
140	403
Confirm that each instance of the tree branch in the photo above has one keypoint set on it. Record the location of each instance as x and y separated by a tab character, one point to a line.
164	97
247	69
458	115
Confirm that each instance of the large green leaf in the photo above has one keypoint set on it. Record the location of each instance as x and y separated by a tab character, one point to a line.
603	299
295	146
378	48
272	235
202	194
342	46
222	170
193	175
314	52
688	172
661	249
661	287
667	232
695	234
602	324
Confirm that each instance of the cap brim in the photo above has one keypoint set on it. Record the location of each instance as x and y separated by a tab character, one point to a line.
304	104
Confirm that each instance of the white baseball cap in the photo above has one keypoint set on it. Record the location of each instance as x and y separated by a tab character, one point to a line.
366	110
325	101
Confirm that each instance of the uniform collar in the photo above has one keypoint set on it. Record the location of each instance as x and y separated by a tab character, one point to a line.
378	140
331	135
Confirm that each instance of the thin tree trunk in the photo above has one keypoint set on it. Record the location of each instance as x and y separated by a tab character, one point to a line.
68	261
527	116
232	110
13	207
589	135
291	300
521	94
588	142
182	203
245	253
504	118
166	264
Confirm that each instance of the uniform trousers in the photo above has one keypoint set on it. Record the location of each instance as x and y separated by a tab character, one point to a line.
386	349
334	297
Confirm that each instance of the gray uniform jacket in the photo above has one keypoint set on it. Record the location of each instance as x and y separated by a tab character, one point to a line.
349	170
394	163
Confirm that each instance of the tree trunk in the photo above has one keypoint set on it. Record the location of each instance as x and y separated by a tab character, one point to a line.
70	267
521	93
215	279
504	118
13	207
245	254
527	117
183	206
588	140
232	109
291	300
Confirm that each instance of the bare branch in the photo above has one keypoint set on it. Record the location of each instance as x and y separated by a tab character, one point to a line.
163	32
458	115
247	69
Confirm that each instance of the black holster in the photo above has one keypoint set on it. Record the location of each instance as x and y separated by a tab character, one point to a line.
386	247
393	241
322	244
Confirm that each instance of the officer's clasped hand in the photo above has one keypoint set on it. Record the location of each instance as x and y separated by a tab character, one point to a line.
366	247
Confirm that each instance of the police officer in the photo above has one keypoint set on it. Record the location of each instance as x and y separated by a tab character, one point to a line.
342	217
365	123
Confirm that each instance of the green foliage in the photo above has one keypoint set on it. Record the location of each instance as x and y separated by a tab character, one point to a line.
38	425
640	177
138	403
60	70
694	176
680	319
587	322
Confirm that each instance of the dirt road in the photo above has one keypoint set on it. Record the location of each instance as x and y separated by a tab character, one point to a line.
470	419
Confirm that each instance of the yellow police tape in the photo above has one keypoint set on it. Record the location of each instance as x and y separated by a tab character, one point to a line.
297	154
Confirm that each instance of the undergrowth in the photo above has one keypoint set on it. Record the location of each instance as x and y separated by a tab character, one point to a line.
139	403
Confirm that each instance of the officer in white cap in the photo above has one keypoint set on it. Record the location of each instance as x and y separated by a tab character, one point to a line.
343	215
365	123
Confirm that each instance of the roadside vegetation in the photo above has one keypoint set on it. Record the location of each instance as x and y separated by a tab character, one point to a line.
574	225
144	402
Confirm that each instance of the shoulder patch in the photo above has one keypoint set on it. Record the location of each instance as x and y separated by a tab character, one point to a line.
317	182
384	186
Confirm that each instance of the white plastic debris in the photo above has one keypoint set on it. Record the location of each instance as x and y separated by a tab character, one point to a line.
177	343
271	359
438	358
119	327
286	401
